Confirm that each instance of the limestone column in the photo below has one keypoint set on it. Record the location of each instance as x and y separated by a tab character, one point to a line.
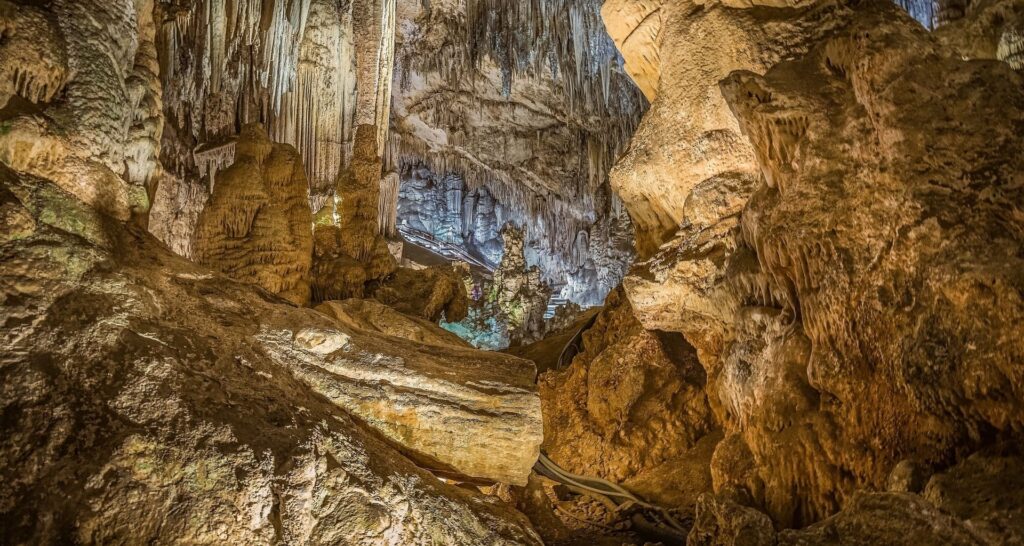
373	22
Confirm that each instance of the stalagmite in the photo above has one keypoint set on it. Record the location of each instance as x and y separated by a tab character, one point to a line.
256	227
349	249
1011	48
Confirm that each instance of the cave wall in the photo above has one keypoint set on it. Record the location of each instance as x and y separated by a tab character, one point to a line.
528	100
446	210
825	196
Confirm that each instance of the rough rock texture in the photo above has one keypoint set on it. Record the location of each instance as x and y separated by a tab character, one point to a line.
348	249
82	99
985	29
519	292
855	296
432	293
312	70
627	405
303	68
146	399
257	227
527	99
442	208
635	25
976	502
688	164
372	316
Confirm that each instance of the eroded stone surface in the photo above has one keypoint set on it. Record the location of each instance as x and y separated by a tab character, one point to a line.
838	240
629	409
256	226
158	401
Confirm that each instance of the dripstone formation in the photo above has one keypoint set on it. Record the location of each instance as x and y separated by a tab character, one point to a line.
348	249
255	227
752	272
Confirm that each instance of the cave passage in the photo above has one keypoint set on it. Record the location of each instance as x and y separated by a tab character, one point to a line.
512	272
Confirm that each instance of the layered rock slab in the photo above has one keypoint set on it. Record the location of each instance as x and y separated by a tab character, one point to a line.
149	399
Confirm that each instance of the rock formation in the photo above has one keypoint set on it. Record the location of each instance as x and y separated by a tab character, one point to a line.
441	208
632	409
527	100
153	400
833	237
819	341
519	292
100	139
256	226
432	293
373	316
348	249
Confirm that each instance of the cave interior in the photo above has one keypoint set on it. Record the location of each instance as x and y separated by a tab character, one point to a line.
482	272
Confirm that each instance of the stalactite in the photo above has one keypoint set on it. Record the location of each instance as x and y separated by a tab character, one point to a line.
211	160
248	48
1011	48
317	114
532	38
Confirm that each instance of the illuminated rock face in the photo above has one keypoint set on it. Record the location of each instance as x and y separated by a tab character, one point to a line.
202	409
443	208
845	228
256	226
100	140
632	409
349	250
821	341
538	125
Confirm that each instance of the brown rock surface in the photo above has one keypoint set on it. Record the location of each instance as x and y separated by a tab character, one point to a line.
432	293
876	260
146	399
372	316
843	245
348	249
80	98
689	139
257	227
627	407
976	502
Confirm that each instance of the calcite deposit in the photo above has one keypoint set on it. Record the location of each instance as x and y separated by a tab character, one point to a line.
349	249
527	100
629	407
767	257
149	399
256	226
842	252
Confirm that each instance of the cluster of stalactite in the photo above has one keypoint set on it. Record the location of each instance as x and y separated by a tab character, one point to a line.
200	42
309	70
537	39
550	62
552	223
